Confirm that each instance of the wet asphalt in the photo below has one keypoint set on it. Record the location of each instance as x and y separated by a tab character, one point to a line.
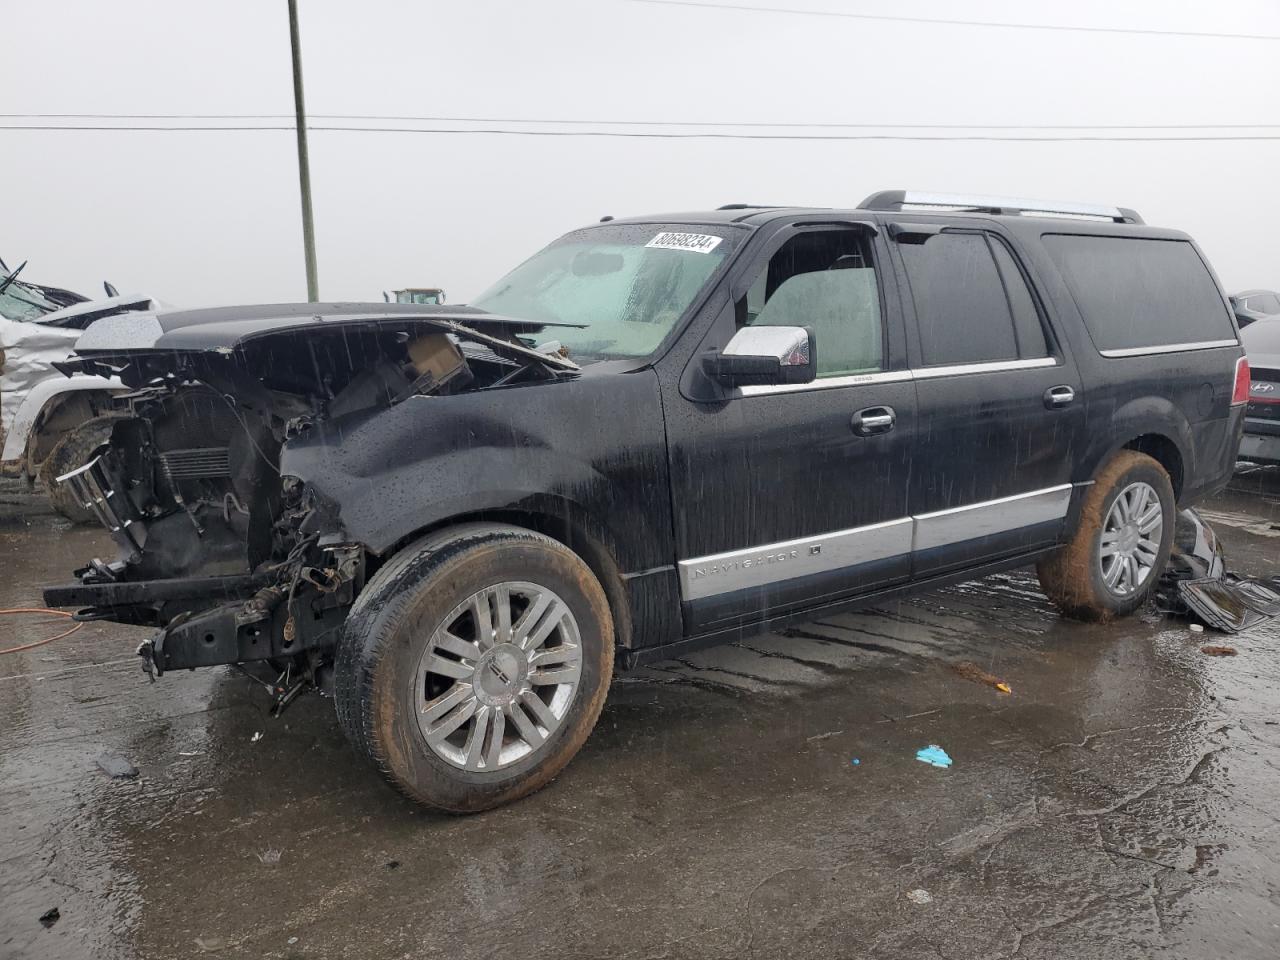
758	800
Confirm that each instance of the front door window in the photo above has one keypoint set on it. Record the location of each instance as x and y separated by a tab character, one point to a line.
823	280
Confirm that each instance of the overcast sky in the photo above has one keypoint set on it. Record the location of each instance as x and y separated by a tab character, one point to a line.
213	217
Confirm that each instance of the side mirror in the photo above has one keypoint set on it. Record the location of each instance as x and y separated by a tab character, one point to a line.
766	355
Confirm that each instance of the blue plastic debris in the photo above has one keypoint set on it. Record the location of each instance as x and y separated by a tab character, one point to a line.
855	761
933	755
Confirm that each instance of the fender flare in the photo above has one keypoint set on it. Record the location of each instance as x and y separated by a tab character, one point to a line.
1142	417
18	438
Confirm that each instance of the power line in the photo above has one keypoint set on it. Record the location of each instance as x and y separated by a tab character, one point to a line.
715	124
174	129
957	23
1074	138
766	136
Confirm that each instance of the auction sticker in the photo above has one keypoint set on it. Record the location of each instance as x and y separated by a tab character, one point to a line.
692	242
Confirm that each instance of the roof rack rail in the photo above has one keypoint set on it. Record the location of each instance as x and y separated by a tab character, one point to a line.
1000	206
748	206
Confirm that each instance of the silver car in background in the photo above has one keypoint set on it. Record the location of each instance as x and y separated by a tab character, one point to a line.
1261	440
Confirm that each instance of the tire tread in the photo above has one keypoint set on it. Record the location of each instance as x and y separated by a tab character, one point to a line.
1067	576
375	619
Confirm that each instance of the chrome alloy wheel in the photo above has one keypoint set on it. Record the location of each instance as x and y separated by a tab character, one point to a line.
498	677
1130	540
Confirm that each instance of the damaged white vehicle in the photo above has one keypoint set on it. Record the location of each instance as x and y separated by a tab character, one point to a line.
49	423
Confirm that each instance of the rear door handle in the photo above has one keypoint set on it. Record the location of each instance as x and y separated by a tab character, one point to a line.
1061	396
873	420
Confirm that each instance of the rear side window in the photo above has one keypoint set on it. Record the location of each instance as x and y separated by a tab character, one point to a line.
961	307
1026	316
1137	293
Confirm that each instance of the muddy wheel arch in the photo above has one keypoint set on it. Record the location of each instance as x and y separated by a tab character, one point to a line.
568	525
49	411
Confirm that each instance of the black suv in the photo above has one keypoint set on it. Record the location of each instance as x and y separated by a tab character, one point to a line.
656	433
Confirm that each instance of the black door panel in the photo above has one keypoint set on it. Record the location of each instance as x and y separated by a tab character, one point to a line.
788	495
779	501
998	423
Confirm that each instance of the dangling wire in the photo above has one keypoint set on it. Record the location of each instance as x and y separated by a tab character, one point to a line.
39	643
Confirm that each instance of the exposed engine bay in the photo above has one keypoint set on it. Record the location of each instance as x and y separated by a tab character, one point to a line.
231	561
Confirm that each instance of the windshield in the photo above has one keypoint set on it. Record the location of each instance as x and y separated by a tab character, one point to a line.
20	302
626	284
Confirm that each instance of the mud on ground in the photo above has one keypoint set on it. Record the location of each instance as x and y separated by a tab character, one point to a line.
760	799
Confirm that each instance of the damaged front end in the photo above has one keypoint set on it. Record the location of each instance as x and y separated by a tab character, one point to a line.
232	561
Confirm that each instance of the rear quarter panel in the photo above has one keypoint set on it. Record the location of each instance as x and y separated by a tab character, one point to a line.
1184	396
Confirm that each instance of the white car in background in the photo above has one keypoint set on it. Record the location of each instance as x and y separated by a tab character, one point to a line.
49	422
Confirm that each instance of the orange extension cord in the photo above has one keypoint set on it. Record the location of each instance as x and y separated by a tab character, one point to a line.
38	643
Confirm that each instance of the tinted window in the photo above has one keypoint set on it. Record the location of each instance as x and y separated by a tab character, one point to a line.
824	281
960	302
1138	293
1026	317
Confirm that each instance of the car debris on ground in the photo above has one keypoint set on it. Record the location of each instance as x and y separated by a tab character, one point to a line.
1197	584
117	768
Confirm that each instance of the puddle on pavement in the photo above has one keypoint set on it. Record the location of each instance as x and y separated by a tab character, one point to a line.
1121	802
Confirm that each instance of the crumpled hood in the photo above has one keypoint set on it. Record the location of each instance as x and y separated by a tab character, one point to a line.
81	315
224	329
138	347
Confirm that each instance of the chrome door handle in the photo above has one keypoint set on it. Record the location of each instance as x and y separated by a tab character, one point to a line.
873	420
1056	397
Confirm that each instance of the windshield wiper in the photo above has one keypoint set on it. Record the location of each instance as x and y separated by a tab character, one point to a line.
4	284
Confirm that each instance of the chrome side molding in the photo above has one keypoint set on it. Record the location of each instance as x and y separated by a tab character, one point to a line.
1168	348
977	520
770	563
774	562
897	376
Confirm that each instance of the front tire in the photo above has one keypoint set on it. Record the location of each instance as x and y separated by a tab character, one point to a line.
474	665
1121	544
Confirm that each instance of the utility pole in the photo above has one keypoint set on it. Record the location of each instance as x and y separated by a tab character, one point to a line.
304	166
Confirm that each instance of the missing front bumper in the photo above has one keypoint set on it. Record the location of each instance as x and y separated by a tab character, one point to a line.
149	603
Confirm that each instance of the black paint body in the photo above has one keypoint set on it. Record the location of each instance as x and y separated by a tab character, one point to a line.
639	465
651	462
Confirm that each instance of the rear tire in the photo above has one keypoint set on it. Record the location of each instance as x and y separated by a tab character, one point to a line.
474	665
1121	543
69	453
